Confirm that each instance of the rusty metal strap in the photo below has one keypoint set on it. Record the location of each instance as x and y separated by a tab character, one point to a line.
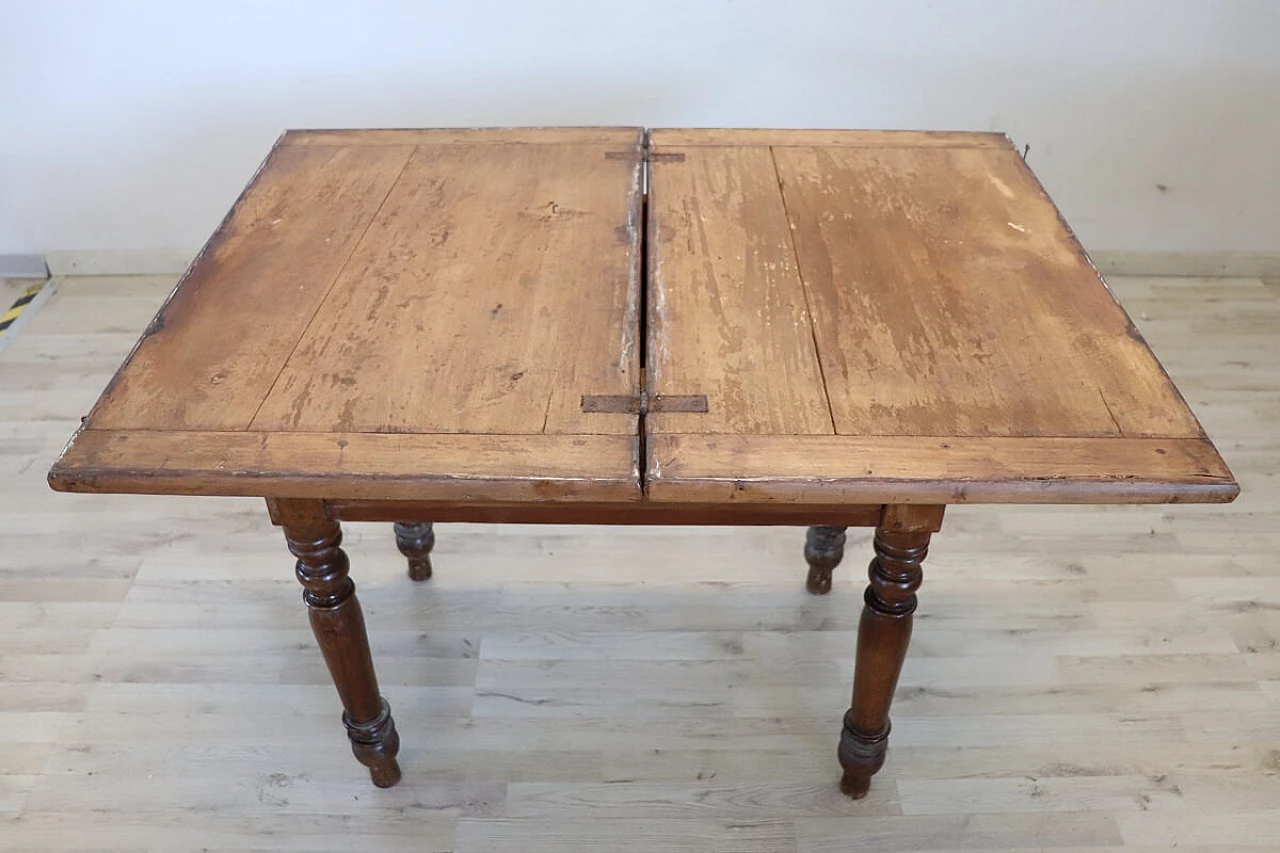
649	156
643	404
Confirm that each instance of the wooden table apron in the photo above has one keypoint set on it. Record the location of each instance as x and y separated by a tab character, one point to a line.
616	326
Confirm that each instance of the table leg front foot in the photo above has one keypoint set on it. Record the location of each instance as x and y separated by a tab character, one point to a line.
415	541
861	756
883	635
338	624
375	744
823	550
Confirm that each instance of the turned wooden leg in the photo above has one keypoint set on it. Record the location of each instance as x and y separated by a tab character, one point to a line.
883	635
823	549
338	623
415	542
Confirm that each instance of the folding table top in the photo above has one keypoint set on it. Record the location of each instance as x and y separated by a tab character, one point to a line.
601	314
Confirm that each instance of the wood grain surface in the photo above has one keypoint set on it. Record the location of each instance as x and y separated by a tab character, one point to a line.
913	469
727	310
450	316
216	347
371	283
353	465
949	299
946	303
839	298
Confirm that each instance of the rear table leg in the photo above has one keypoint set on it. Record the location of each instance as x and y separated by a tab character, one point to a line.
415	542
823	550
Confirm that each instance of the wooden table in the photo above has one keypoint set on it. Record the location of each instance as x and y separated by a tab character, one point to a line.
608	326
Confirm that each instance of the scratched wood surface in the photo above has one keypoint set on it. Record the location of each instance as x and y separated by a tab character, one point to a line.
213	353
949	299
355	465
1081	678
832	293
770	469
419	283
828	292
727	310
496	286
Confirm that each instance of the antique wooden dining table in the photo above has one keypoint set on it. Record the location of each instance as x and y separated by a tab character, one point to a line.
819	328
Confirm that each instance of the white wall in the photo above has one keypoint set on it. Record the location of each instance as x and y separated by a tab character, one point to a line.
1154	123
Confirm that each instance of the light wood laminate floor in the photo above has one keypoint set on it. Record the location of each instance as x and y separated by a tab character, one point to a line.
1080	679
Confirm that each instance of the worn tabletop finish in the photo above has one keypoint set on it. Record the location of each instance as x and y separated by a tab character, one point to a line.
413	314
604	325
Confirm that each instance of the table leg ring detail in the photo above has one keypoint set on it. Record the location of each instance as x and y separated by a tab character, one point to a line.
375	744
861	756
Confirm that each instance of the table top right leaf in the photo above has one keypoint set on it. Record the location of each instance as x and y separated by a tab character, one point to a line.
893	317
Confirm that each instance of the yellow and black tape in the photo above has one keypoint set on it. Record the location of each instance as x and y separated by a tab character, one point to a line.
15	311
